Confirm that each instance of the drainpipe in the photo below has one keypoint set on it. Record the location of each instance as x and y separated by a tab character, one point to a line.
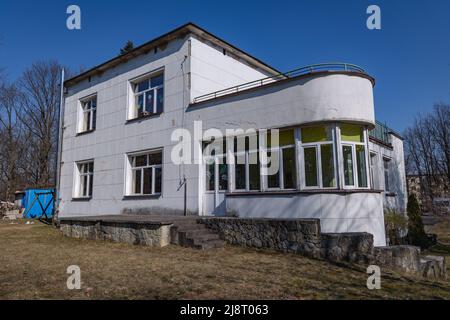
58	159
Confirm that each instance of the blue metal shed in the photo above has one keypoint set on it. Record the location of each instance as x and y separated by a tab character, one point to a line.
38	203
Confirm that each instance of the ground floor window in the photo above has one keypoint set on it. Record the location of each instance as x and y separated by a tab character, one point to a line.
386	165
318	157
354	154
145	173
84	179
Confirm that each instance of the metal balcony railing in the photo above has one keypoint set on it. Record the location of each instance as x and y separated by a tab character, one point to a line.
338	66
381	132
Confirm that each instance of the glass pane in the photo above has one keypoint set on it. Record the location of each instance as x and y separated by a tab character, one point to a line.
361	163
84	186
254	171
94	119
149	101
285	138
137	181
310	156
140	161
274	179
348	165
148	181
91	167
141	86
289	170
160	100
240	172
158	180
210	176
386	175
85	121
351	132
155	158
94	103
223	176
157	80
91	184
139	103
316	134
326	156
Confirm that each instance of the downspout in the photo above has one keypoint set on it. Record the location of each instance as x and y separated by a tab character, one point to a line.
59	152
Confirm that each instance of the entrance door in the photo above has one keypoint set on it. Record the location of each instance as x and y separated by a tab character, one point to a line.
216	185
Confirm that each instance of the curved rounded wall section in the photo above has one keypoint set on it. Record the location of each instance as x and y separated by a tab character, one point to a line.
312	99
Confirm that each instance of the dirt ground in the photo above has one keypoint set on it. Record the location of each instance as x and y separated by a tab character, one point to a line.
34	260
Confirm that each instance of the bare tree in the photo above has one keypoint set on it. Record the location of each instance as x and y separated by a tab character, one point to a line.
427	145
39	113
11	142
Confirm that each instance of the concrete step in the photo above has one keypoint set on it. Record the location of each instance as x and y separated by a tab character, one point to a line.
200	239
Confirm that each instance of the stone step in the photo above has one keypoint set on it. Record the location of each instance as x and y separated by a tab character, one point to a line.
199	239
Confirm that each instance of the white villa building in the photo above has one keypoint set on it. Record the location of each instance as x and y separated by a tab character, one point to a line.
336	163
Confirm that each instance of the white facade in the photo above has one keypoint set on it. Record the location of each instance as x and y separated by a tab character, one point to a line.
193	63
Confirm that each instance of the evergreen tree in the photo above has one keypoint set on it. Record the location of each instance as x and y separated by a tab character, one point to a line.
127	48
416	231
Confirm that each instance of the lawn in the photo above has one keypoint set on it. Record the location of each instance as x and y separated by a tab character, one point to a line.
34	259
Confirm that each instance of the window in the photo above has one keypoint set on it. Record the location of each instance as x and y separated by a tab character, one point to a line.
246	164
148	96
87	118
386	165
318	157
146	173
354	156
216	166
84	179
285	177
374	169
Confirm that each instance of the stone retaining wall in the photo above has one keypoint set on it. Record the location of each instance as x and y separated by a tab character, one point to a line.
150	234
303	236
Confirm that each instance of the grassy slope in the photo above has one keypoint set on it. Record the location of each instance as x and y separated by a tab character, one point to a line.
34	258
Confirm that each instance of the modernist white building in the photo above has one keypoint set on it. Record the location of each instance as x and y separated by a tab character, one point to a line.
336	163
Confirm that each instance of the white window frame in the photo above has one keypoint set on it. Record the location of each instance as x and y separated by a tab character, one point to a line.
130	168
317	146
77	191
133	94
353	145
279	149
85	106
247	171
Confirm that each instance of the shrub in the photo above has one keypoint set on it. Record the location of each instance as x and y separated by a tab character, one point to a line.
395	224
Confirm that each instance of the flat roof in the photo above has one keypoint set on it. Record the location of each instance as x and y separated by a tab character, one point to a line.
188	28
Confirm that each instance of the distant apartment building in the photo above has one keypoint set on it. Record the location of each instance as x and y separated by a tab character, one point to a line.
335	162
439	187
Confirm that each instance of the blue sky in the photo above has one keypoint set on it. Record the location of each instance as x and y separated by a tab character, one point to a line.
409	56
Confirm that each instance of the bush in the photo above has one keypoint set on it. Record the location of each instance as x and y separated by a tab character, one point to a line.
416	231
395	224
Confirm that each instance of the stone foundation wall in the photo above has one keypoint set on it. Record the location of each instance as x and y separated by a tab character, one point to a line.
303	236
149	234
297	236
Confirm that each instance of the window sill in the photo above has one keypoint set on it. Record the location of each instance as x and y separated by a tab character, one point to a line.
81	198
84	132
142	196
141	118
307	191
390	194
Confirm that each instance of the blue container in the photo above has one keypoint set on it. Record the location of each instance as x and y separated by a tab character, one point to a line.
38	203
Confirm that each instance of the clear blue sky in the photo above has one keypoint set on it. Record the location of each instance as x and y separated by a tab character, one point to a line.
409	57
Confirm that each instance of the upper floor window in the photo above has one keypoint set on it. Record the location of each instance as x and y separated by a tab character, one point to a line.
386	165
354	156
148	96
145	173
84	179
87	115
318	157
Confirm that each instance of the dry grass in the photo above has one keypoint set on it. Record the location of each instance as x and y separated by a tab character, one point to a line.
34	259
442	230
